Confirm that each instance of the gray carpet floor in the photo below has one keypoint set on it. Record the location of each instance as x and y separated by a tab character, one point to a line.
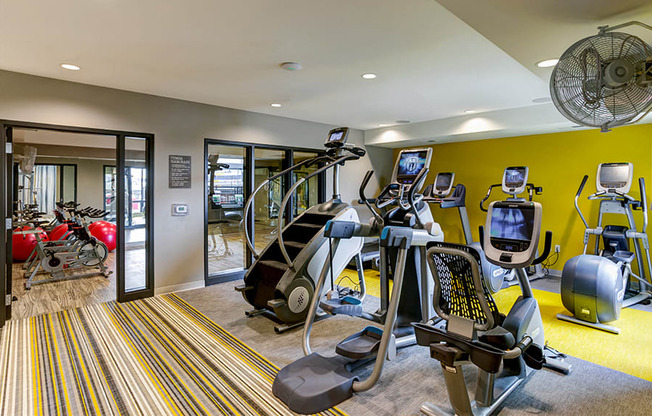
414	377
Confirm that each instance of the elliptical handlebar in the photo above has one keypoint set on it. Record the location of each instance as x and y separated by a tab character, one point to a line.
577	207
363	198
641	185
418	181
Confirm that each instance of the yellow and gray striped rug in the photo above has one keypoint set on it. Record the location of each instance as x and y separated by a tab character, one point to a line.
157	356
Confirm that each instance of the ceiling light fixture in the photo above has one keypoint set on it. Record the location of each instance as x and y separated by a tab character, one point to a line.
70	67
368	76
276	105
384	125
291	66
547	63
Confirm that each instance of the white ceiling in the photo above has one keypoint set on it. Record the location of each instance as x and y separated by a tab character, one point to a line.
434	60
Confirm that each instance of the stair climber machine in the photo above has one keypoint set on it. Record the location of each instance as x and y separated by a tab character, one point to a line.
505	349
280	282
315	382
438	194
513	184
594	287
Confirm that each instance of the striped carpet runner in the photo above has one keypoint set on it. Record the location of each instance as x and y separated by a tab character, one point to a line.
157	356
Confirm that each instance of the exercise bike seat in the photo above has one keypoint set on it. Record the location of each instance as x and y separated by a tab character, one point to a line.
458	348
498	337
625	256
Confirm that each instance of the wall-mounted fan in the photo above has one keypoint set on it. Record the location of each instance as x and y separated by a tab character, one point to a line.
26	159
604	80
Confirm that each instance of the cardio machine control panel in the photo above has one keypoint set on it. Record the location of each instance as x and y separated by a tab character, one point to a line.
614	177
515	179
513	233
409	164
443	184
337	137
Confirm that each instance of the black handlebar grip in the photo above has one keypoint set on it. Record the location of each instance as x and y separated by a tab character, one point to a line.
579	191
641	185
358	151
365	182
546	249
481	235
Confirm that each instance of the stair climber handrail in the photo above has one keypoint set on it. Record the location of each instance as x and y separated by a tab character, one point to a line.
279	230
250	200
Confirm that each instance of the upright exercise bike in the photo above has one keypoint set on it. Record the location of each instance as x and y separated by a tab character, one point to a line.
594	287
514	183
505	349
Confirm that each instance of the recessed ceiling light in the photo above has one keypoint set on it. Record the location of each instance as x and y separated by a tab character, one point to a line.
369	76
470	111
276	105
384	125
70	67
547	63
291	66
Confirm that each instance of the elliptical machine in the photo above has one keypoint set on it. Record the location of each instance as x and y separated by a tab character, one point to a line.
280	283
595	287
314	382
476	332
513	184
438	194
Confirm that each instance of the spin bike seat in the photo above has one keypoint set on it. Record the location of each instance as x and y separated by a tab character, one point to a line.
624	256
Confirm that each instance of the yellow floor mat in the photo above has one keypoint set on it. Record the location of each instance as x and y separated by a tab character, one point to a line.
629	352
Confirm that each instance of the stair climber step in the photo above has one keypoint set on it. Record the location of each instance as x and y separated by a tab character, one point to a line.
273	264
363	344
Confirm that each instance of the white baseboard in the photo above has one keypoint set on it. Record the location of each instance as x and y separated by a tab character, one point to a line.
178	288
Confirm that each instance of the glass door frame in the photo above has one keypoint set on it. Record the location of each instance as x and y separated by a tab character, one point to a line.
249	180
6	206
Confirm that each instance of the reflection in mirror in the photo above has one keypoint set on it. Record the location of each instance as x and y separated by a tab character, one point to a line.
225	205
135	212
267	201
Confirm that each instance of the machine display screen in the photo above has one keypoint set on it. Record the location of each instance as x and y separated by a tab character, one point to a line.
336	136
514	177
614	176
410	164
512	224
443	181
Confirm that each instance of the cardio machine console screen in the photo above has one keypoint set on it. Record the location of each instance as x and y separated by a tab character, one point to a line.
409	166
615	176
511	227
337	137
443	181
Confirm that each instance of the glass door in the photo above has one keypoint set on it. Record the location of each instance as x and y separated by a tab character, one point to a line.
134	199
226	182
268	162
307	194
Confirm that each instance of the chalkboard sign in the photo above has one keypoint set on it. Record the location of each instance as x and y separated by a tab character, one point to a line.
179	171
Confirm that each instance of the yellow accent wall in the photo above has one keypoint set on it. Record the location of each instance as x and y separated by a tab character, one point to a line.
557	162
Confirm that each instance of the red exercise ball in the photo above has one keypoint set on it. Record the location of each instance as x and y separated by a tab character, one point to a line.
60	232
106	233
96	223
23	244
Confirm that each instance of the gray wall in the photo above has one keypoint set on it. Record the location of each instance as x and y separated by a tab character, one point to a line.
179	128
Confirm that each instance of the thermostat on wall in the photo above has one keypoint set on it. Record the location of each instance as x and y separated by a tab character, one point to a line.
179	209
